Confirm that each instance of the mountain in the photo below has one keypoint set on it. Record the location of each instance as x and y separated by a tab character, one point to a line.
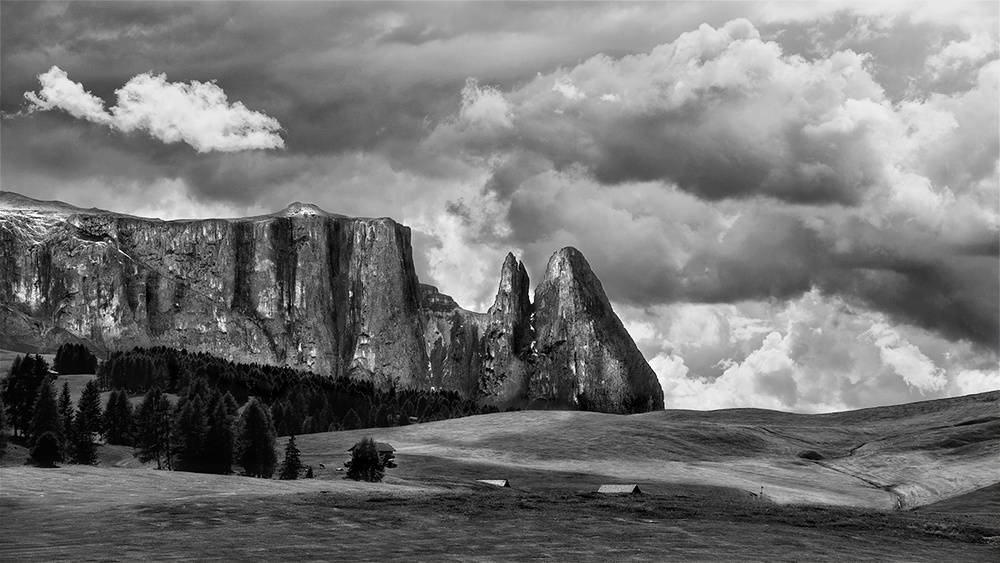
568	348
315	290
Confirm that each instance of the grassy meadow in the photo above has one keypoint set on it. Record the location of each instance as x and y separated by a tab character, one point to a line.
913	483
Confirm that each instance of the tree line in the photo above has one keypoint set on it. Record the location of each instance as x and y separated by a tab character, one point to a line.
226	414
300	402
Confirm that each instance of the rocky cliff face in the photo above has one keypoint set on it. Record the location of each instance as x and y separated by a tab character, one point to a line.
300	287
306	288
584	355
567	349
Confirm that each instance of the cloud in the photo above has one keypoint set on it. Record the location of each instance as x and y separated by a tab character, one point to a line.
733	170
816	353
198	113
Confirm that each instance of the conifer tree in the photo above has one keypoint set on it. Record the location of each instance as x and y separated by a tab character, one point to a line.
219	440
366	464
46	450
3	427
153	429
83	450
90	406
118	419
66	407
256	440
190	427
45	416
292	464
20	390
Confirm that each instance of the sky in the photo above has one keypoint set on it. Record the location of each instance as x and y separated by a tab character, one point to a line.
791	205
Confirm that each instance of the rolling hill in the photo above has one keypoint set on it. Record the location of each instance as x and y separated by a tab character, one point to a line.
888	457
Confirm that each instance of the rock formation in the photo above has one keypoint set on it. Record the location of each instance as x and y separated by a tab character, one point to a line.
300	287
584	355
306	288
567	349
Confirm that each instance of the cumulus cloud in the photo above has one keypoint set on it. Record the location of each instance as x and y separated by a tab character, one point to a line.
816	353
198	113
733	170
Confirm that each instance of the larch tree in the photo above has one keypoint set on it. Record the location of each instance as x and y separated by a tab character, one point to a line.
66	407
83	449
45	415
153	429
90	406
219	440
190	427
291	466
118	420
3	427
256	440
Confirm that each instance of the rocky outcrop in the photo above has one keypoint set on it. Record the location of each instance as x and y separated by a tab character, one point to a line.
300	287
568	349
583	354
507	340
305	288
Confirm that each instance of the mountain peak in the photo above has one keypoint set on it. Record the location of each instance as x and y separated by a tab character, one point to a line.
303	209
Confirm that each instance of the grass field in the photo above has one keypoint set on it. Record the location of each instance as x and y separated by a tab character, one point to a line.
697	471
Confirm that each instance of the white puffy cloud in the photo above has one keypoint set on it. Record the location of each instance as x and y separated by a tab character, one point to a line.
484	105
58	91
198	113
906	359
812	354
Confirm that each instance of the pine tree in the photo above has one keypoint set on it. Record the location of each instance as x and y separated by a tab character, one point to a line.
153	428
66	407
47	450
83	450
20	390
45	415
190	427
366	464
118	419
90	406
256	442
219	441
292	464
3	427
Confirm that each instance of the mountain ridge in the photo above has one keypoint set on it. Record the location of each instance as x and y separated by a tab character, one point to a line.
300	287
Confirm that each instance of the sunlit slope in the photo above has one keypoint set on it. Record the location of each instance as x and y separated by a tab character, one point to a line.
909	454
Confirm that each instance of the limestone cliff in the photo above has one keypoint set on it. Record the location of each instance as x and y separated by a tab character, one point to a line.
584	355
305	288
567	349
300	287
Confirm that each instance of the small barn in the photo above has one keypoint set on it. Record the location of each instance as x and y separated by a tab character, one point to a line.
619	490
496	482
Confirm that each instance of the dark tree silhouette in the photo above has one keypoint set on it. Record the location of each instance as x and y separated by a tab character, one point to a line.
219	441
153	428
190	427
90	406
366	464
20	389
3	427
256	440
45	415
291	466
47	450
118	419
83	450
74	358
66	407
